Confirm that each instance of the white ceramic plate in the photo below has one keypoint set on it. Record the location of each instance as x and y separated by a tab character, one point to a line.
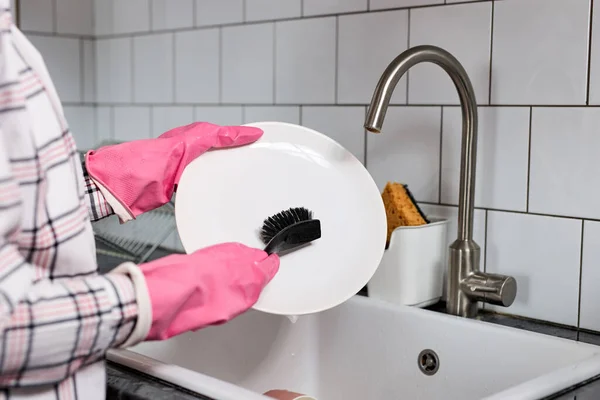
225	195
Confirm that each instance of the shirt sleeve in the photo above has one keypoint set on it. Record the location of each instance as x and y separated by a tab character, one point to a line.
50	329
97	205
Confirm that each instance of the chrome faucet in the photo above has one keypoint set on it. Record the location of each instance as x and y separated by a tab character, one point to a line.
466	284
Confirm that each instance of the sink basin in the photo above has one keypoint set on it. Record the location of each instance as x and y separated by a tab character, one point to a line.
366	349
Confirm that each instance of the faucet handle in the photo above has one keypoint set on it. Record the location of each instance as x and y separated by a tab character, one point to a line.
495	289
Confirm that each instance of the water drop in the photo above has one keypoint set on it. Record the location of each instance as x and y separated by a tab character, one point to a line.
293	318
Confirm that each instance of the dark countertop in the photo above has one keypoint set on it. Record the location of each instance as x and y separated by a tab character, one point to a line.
127	384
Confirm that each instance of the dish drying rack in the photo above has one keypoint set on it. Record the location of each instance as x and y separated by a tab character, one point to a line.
137	240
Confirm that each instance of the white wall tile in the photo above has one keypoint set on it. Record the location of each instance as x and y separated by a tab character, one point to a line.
305	61
166	118
564	161
131	123
74	17
465	31
289	114
82	121
114	70
172	14
211	12
89	71
104	124
37	15
502	157
272	9
318	7
408	150
342	124
120	17
197	66
540	52
595	57
224	115
451	214
381	4
367	44
542	254
153	68
63	60
590	276
247	64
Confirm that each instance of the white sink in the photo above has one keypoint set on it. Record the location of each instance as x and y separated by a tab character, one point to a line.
366	349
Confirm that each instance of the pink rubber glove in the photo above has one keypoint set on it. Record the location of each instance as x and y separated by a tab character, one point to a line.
208	287
142	174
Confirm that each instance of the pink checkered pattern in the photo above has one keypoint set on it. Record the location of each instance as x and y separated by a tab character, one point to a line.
58	316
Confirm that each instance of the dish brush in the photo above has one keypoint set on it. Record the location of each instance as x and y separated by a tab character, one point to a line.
289	230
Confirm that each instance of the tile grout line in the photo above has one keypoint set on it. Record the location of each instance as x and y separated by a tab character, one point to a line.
491	54
150	15
408	18
336	62
366	138
274	63
589	53
55	16
440	155
194	13
529	159
266	21
174	67
485	241
580	278
431	203
81	70
220	65
132	69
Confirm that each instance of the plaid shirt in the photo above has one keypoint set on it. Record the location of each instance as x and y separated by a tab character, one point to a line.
58	316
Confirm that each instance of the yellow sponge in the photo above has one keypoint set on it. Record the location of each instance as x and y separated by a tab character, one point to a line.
401	209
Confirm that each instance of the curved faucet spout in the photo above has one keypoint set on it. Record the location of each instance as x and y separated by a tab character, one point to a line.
381	99
465	283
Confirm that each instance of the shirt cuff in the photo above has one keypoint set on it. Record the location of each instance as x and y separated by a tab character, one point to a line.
144	321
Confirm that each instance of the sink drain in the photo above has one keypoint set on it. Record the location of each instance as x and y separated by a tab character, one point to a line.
429	362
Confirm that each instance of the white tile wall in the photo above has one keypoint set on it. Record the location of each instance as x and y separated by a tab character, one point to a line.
367	43
153	68
172	14
543	254
342	124
197	68
408	151
289	114
590	276
318	7
63	60
210	12
317	63
564	161
82	123
247	64
502	157
114	83
37	16
257	10
305	61
131	123
528	36
169	117
74	17
465	31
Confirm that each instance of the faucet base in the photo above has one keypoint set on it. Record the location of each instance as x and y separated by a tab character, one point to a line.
467	285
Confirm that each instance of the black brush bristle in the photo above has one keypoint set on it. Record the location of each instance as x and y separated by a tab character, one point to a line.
276	223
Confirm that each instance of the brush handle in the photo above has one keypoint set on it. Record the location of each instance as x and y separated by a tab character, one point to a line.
294	236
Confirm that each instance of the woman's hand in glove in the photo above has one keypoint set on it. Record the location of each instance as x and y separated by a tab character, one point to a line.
141	175
208	287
